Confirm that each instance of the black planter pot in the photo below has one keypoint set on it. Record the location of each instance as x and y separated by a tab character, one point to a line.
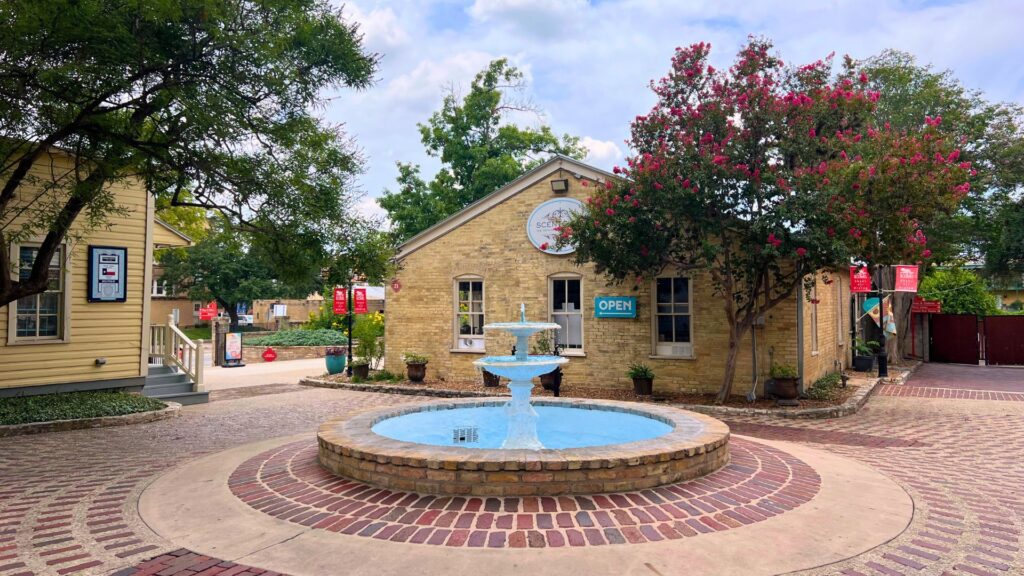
416	372
491	380
863	363
549	381
786	392
643	386
361	371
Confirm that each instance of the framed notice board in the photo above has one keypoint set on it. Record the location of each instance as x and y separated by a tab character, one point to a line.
108	274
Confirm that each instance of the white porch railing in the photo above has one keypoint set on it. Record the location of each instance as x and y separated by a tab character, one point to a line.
171	345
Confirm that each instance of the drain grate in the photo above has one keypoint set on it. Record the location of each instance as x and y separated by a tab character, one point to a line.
465	434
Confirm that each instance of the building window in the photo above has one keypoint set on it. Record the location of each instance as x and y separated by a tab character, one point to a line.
840	332
672	317
469	314
567	311
195	308
814	318
42	316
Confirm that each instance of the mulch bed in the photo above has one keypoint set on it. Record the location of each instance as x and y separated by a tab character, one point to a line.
624	394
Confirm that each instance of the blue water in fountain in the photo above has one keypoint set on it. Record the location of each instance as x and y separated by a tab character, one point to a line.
557	427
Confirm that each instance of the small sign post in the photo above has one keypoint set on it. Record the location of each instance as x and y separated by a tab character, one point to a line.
233	350
922	306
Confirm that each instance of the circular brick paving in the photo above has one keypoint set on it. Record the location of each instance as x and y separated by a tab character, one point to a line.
760	482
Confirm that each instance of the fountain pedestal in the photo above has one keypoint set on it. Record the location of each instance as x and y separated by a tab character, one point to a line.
522	418
520	369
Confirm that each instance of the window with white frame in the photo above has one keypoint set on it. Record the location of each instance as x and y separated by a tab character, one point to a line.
42	316
566	301
469	313
814	317
673	328
840	332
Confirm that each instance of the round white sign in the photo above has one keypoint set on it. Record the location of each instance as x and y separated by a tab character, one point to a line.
540	227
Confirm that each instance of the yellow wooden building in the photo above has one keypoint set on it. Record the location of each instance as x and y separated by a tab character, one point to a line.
477	266
60	340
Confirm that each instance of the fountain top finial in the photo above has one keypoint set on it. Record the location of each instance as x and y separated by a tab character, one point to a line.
522	312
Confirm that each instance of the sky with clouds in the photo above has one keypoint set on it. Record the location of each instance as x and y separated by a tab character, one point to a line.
588	64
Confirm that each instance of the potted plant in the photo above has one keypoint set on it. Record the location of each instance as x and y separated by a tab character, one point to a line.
335	357
542	347
415	366
360	368
785	389
643	378
864	354
491	380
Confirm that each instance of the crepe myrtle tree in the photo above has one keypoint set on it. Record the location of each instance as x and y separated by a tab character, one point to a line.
725	180
210	104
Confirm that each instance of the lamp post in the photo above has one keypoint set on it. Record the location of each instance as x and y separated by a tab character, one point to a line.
348	300
883	357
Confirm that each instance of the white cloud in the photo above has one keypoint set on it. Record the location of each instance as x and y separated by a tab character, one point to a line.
380	27
601	152
589	63
368	208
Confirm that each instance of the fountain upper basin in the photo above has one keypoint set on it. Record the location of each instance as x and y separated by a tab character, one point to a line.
515	368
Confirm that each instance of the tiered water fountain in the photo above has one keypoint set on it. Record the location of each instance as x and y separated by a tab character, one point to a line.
545	446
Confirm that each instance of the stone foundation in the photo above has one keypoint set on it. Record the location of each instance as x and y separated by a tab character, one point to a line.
349	448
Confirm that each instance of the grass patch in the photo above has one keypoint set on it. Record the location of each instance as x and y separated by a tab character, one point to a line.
197	332
322	337
73	406
825	388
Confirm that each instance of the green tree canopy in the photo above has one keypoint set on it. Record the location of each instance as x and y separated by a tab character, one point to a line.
478	149
991	136
224	268
960	291
760	176
207	102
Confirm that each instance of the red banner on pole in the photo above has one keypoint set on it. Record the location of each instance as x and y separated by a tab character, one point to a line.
359	300
340	301
860	279
208	312
906	278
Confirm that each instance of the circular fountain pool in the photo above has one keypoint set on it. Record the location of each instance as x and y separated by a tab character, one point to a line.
557	427
590	446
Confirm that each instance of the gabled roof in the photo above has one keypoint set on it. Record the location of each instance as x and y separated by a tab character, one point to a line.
555	163
176	238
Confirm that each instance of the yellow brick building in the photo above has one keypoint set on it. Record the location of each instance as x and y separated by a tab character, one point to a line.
60	340
477	266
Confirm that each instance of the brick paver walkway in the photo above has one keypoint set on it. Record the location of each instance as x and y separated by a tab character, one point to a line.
67	500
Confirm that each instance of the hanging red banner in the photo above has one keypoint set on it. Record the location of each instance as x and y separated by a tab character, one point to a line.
359	300
340	301
906	278
860	279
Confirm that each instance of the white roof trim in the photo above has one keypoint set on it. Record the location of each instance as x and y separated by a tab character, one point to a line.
172	229
557	162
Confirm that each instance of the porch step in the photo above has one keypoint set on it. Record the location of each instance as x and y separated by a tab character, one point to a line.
166	383
186	398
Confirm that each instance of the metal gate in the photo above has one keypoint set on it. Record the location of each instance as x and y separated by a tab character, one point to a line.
954	338
1004	340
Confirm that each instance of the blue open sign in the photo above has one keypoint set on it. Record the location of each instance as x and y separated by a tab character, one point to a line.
615	307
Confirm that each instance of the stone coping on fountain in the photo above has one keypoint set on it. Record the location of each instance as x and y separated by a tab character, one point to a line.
348	447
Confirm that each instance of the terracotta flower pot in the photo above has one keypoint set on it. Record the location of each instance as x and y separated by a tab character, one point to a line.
786	392
643	386
491	380
360	371
416	372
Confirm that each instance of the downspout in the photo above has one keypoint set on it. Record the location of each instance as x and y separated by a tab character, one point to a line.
800	341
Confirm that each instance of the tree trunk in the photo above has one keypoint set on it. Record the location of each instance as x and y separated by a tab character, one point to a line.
233	315
731	357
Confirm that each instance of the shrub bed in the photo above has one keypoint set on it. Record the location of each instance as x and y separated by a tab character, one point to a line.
322	337
73	406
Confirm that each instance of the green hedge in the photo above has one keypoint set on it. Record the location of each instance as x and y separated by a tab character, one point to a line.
299	338
73	406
